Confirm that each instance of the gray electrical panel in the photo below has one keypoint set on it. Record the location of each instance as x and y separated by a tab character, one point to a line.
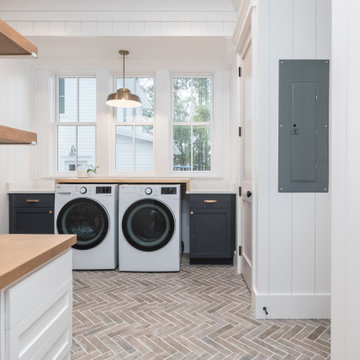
303	125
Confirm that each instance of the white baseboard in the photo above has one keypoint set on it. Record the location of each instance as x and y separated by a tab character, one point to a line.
296	306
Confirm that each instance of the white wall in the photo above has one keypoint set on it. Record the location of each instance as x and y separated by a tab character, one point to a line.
17	106
345	202
293	244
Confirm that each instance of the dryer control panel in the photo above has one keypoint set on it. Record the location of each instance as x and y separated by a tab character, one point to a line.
150	190
169	190
103	189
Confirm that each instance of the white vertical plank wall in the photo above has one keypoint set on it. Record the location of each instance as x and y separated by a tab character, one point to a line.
293	256
280	227
17	106
322	201
261	257
45	120
345	173
303	212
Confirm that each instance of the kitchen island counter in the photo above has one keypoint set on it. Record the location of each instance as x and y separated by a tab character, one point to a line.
20	254
35	296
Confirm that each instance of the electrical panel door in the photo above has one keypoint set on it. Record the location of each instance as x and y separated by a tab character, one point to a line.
303	125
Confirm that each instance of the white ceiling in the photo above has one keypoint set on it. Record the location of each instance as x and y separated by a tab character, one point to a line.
101	48
143	50
124	5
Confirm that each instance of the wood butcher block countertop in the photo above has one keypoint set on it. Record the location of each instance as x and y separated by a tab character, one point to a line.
113	180
20	254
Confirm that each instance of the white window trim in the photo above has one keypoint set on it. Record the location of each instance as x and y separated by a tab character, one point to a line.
73	123
212	174
132	173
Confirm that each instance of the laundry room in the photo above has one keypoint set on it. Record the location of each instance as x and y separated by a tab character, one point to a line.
165	179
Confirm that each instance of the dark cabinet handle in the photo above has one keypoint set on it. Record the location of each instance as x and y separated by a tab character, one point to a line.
248	194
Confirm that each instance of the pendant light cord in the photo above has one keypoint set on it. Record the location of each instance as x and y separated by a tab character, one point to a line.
123	70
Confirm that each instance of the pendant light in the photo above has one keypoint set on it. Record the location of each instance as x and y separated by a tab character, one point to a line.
123	97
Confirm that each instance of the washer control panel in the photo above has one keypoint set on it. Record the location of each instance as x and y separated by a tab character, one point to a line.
148	191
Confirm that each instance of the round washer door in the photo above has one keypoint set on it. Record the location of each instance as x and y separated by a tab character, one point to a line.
87	219
148	225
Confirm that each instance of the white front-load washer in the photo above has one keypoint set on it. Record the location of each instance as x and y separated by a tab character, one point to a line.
89	211
149	228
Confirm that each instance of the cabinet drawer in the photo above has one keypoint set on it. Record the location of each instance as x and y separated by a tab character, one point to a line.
26	295
210	201
32	200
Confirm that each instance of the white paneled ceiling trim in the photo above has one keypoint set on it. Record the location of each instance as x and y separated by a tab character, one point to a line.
121	18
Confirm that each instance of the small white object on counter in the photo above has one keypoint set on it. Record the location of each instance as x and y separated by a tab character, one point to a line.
82	173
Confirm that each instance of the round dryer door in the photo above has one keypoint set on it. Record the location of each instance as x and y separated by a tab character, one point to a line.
148	225
87	219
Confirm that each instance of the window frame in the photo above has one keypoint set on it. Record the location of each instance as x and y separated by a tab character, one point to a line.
191	173
70	123
133	124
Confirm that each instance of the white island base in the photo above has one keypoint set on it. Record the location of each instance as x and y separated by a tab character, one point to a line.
35	313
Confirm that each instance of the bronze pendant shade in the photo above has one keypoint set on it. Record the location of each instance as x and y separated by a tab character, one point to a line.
123	97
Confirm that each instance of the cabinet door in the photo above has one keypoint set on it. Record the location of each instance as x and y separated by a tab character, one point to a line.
32	221
38	311
210	233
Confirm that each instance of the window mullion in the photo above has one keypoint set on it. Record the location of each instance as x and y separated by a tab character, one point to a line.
134	146
191	149
191	126
78	102
77	147
77	128
134	109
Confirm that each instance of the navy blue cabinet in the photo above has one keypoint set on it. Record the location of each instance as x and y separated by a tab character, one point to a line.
212	228
31	213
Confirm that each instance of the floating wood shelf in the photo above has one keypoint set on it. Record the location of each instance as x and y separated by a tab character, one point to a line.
13	43
11	136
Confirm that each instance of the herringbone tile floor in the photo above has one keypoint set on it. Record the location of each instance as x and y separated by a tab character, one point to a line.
202	312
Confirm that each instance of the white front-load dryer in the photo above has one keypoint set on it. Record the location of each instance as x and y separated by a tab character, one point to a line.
89	211
149	228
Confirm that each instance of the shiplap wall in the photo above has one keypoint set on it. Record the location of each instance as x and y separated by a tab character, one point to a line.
345	202
293	245
17	104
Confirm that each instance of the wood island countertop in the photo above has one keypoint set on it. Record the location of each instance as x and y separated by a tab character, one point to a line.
20	254
124	180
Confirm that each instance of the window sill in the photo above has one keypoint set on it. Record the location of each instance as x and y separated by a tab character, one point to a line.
196	175
188	175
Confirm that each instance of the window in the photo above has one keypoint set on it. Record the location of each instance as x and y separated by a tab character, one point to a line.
192	123
76	123
134	129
